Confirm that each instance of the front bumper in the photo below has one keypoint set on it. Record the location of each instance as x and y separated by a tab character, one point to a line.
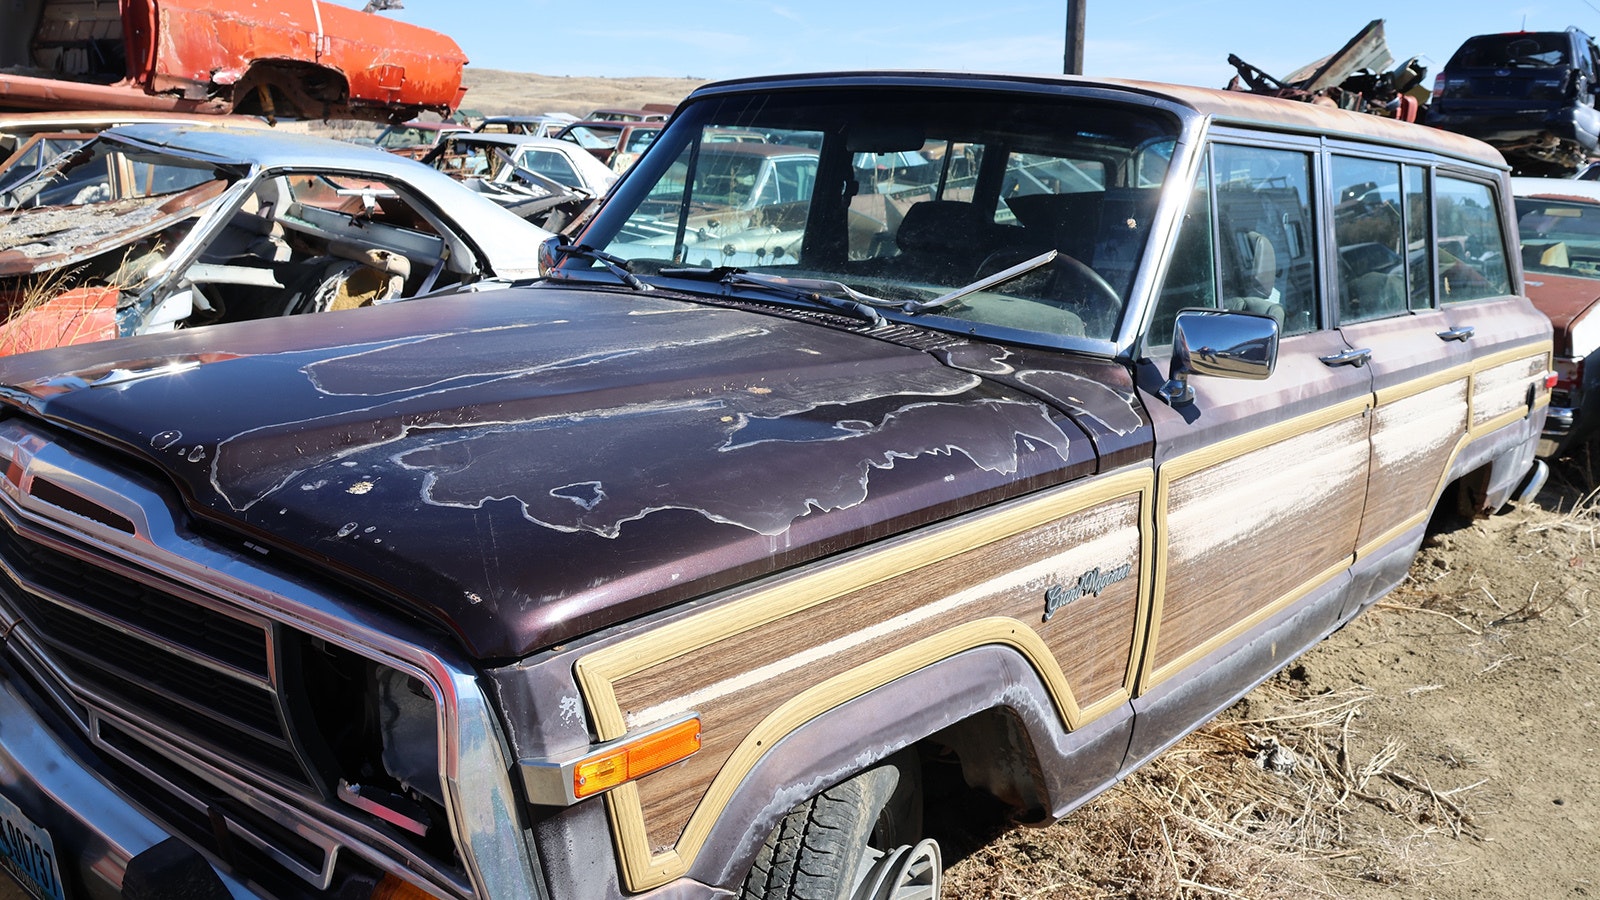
96	830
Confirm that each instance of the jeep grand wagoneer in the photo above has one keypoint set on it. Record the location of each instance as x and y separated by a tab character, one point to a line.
1069	411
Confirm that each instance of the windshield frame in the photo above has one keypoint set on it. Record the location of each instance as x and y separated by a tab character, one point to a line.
1182	128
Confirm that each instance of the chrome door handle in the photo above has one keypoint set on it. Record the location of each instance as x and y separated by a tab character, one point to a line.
1463	333
1357	358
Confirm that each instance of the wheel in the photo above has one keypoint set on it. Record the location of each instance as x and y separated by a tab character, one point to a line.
854	841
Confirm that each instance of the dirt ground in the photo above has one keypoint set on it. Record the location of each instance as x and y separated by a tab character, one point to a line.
1443	745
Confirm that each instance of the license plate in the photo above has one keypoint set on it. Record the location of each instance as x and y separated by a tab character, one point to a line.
28	854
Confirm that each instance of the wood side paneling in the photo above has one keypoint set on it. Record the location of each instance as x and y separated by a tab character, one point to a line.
1413	441
1245	533
743	670
1503	389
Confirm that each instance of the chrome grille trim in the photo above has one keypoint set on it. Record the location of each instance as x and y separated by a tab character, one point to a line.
480	801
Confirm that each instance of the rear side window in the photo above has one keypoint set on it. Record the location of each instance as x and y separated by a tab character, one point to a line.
1471	242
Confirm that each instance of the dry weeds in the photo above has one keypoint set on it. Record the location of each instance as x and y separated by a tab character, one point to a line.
1252	805
1273	800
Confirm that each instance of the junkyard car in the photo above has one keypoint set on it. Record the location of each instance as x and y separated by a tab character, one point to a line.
546	125
1559	221
535	178
617	144
29	141
303	59
663	578
154	227
1531	94
414	139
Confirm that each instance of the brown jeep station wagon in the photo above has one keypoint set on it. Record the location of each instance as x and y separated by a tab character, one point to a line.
1069	411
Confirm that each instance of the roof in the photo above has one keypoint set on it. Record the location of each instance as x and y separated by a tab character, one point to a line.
1228	107
1556	188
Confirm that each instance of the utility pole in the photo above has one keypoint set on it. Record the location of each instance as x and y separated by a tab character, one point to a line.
1073	65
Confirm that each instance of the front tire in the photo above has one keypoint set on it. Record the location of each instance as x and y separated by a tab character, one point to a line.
851	842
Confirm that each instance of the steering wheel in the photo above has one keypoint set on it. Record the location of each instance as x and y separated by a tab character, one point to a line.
1098	306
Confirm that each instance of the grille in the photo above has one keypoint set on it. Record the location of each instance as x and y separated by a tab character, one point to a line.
150	652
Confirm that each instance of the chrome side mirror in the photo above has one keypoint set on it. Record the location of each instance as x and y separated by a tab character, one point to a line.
1219	342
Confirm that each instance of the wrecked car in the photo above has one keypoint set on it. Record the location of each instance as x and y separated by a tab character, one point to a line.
1559	220
29	141
1531	94
546	181
154	227
414	139
307	60
617	144
637	579
546	125
1356	77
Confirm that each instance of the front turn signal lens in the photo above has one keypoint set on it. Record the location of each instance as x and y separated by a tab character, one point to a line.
392	888
635	759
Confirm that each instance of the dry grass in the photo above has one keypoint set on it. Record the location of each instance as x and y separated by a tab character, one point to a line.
1254	805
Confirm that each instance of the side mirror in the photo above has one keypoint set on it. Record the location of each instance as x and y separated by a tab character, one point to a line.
1221	343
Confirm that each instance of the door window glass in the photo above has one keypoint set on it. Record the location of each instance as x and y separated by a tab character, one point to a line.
1369	237
1265	249
1471	242
1191	275
1419	219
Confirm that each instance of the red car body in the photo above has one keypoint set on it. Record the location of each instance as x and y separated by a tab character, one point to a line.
295	58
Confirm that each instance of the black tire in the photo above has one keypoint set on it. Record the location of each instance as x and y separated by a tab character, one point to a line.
818	847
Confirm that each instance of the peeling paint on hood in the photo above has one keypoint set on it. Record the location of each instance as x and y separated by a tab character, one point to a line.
536	463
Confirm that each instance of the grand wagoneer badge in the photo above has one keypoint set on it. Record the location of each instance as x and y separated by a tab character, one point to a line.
1090	583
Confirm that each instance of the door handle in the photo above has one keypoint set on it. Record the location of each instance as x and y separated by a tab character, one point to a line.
1463	333
1357	358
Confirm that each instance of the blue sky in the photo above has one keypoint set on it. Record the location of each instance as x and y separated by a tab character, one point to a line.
1184	41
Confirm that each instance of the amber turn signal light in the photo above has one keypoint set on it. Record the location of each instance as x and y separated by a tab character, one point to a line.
392	888
634	759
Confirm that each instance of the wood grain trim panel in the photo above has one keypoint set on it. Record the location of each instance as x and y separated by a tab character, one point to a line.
1176	469
597	671
646	860
643	869
1500	382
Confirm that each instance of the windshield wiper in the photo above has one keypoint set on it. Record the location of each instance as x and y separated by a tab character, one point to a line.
616	264
982	284
831	295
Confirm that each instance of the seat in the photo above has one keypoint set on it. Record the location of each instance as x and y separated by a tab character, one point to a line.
943	241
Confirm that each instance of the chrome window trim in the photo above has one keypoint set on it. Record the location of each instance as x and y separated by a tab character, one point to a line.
475	767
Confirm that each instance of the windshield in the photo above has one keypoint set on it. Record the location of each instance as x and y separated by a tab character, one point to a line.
1559	236
926	194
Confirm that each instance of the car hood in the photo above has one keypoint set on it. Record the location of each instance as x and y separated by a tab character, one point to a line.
527	465
1572	304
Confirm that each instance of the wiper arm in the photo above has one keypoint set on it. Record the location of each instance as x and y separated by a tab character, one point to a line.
983	284
616	264
816	292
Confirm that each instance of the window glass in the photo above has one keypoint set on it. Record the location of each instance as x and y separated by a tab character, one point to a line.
1028	217
1369	238
1191	276
551	165
1265	249
1559	236
1471	244
1419	219
766	187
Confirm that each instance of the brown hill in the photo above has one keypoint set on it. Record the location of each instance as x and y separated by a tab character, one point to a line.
495	92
